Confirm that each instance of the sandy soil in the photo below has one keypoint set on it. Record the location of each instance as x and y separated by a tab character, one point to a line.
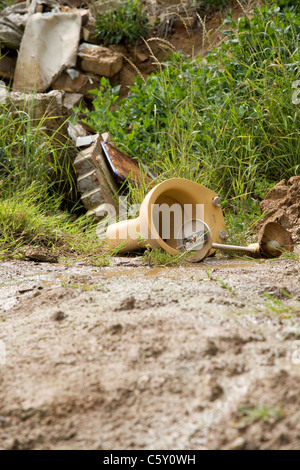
132	357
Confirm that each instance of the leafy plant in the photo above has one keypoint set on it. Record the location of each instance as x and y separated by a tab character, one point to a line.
125	21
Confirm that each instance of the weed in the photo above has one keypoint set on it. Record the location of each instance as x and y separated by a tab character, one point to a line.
281	308
262	413
126	21
223	284
157	257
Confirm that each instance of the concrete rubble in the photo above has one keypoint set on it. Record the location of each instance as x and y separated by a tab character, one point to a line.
95	183
99	60
50	59
49	46
46	44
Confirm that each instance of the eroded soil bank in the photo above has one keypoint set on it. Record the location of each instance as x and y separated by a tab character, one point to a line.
132	357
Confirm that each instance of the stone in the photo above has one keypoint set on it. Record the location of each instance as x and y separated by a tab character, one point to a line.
52	108
39	253
3	93
74	81
99	60
88	31
7	66
12	24
10	34
36	105
49	46
100	7
238	444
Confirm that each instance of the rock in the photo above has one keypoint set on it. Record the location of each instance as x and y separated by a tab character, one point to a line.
74	81
3	93
95	183
59	316
282	205
70	100
36	105
7	66
77	130
238	444
12	23
141	57
10	34
89	32
38	253
99	7
85	141
99	60
52	108
126	304
49	46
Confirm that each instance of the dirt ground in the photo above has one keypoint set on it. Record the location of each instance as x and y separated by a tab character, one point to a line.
132	357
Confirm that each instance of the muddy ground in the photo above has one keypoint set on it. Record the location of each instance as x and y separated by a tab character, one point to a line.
132	357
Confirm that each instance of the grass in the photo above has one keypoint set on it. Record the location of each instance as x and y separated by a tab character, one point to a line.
159	258
281	308
221	283
126	22
38	196
27	219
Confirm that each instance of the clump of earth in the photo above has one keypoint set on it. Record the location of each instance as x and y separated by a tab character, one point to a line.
282	205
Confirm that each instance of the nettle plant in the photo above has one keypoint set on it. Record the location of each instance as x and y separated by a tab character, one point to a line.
127	21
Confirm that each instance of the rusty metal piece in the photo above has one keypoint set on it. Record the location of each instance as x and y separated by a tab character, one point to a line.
122	166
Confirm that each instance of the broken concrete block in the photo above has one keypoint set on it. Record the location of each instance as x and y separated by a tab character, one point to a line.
7	66
74	81
3	93
51	108
36	105
95	183
99	60
49	46
70	100
85	141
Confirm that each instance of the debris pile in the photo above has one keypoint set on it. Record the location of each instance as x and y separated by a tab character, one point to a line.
56	47
50	59
282	205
